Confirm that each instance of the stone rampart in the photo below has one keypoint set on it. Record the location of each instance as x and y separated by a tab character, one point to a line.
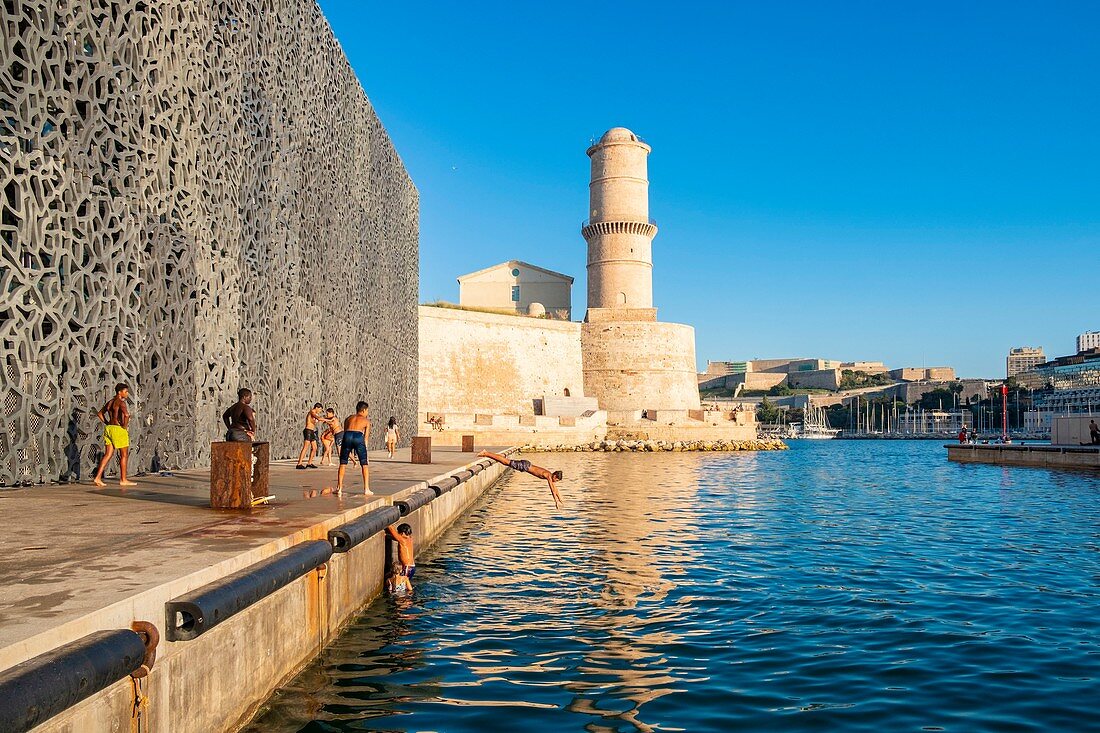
815	379
472	362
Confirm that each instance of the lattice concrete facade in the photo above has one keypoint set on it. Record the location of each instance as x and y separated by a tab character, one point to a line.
195	196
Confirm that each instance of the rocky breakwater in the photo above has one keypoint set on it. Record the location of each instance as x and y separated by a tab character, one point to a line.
659	446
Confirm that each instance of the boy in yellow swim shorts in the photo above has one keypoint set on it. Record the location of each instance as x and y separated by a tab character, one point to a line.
116	418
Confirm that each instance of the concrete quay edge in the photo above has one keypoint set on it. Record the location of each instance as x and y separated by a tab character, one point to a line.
1038	456
233	668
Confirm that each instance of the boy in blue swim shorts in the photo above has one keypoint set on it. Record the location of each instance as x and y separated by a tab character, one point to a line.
356	433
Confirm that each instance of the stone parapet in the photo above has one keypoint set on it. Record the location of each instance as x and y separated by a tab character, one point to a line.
605	315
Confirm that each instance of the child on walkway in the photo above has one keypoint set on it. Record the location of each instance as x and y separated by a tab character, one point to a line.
331	435
392	435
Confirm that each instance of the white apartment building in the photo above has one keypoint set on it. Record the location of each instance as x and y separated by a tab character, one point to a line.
1088	340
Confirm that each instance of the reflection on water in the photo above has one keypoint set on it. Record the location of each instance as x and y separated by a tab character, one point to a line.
840	585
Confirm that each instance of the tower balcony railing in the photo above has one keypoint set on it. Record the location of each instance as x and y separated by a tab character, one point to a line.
639	225
635	219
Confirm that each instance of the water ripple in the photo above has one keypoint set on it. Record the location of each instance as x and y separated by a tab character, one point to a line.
837	586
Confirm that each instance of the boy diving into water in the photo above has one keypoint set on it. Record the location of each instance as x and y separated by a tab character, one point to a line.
525	466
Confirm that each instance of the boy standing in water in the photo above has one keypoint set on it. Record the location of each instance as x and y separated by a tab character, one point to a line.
524	466
397	583
403	535
115	416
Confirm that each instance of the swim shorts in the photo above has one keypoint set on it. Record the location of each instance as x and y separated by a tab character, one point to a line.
353	441
521	465
236	435
309	436
408	571
116	436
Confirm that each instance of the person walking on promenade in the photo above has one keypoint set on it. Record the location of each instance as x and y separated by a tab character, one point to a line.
332	434
356	433
524	466
240	419
393	435
1094	432
115	417
309	437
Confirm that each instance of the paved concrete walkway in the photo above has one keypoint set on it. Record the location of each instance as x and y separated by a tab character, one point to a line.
69	550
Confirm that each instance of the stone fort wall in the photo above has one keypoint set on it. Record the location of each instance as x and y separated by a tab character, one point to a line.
635	365
472	362
196	196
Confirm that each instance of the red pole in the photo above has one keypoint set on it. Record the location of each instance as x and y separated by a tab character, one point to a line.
1004	412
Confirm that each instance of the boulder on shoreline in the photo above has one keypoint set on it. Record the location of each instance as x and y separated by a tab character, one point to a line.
659	446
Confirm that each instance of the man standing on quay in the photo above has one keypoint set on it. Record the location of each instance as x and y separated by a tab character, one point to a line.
115	417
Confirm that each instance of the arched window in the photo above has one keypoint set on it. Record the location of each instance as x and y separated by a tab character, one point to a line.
566	391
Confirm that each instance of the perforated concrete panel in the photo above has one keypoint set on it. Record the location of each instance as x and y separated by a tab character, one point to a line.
195	196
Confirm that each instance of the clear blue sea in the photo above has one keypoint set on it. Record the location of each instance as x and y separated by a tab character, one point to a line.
841	585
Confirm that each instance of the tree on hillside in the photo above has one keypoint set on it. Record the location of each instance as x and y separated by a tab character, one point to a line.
766	412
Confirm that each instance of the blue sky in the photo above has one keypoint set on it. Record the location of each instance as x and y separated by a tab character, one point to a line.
915	183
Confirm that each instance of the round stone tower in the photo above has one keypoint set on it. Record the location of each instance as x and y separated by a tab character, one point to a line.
619	231
631	361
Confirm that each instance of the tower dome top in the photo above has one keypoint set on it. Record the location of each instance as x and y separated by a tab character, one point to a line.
618	134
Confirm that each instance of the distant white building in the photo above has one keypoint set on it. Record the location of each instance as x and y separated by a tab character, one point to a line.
934	421
1038	421
519	286
1088	340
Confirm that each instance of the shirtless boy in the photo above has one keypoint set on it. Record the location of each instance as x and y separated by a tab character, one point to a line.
309	437
115	416
524	466
356	431
240	419
406	556
331	434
